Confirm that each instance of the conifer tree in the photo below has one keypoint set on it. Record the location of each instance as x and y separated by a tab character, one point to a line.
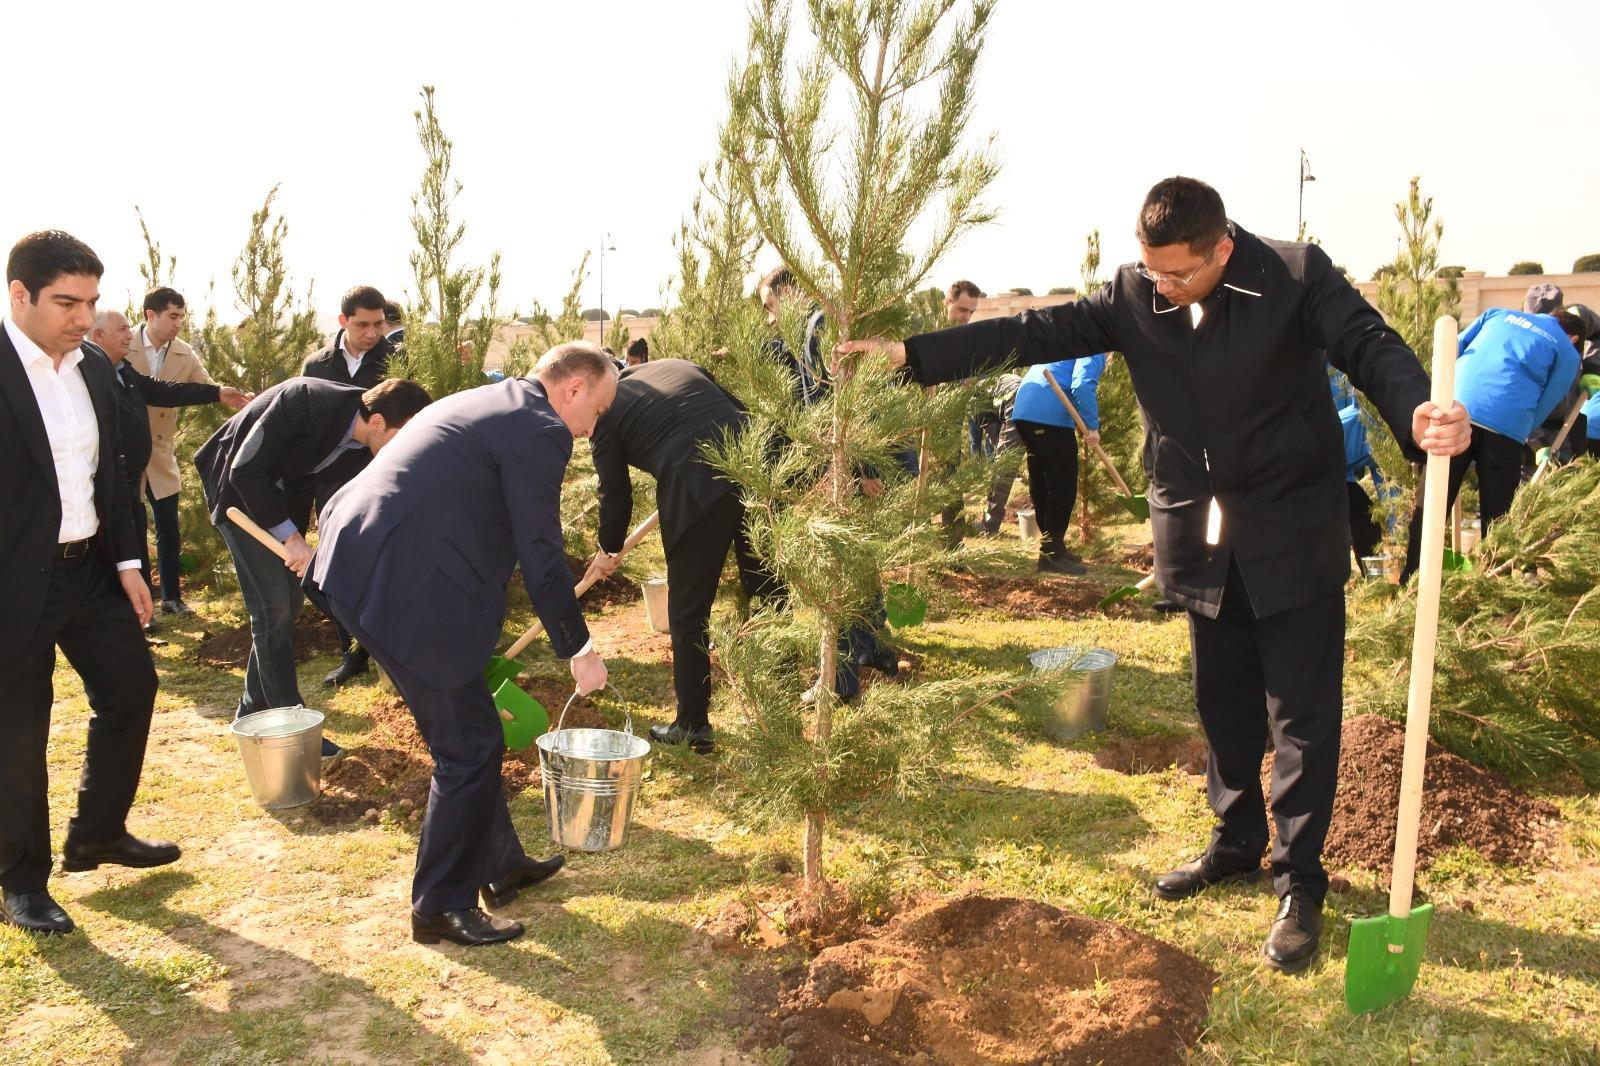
843	154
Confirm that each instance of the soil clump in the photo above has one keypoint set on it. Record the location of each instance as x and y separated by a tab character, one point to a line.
314	635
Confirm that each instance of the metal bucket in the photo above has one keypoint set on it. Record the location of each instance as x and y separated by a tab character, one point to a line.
655	604
1376	566
1027	525
282	753
591	779
1083	707
1469	537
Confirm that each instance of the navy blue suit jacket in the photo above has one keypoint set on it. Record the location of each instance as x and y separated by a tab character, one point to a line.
421	544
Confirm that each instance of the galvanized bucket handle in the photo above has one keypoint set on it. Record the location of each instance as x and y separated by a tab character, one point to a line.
627	726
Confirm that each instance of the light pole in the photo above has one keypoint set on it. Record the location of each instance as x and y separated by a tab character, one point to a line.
605	241
1300	215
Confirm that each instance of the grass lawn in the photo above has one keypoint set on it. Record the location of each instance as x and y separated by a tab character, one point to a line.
276	939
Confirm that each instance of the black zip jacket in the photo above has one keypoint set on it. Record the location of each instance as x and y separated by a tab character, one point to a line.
1237	409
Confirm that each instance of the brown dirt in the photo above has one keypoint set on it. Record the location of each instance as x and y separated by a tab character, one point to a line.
1032	596
979	980
391	772
1150	755
1140	557
626	634
314	635
607	591
1461	804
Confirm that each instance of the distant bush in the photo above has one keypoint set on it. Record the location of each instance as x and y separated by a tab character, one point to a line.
1527	266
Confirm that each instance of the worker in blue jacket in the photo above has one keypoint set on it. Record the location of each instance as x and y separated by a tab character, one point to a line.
1513	368
1048	435
1365	533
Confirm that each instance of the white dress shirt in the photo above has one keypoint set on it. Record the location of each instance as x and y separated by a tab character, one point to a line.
74	433
154	357
352	363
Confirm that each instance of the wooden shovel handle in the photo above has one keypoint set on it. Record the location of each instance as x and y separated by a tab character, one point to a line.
1419	699
583	586
1083	430
1561	438
268	541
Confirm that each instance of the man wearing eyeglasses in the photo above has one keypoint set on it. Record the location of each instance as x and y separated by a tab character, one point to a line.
1224	334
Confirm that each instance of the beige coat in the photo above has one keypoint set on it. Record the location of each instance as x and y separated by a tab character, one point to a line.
181	364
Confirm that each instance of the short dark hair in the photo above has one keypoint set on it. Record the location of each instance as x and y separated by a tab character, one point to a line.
1571	324
40	258
392	313
779	277
364	297
961	288
158	300
639	349
396	399
1182	211
574	357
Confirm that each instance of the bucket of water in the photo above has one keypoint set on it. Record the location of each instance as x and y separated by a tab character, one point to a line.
655	604
1027	525
282	753
1376	567
1084	706
591	780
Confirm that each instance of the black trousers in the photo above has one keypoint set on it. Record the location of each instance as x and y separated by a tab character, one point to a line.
1365	535
169	544
1499	462
1052	477
1280	677
693	571
467	837
88	615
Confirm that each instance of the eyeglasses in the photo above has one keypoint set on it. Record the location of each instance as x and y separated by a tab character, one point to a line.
1155	277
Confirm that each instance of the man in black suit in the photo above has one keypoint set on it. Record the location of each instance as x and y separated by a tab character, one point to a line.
414	556
666	411
292	433
1225	336
70	570
136	394
359	356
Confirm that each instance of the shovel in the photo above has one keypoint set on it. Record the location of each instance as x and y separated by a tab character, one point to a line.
1117	595
1385	953
1137	506
1561	438
268	541
524	717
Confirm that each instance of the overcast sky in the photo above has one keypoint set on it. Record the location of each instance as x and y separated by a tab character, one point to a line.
572	120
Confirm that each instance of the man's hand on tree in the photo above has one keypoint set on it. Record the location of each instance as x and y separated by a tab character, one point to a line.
1441	432
894	351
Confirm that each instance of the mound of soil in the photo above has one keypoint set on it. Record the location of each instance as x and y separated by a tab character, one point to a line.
1461	804
1140	557
605	592
1031	596
1149	755
979	980
314	635
392	770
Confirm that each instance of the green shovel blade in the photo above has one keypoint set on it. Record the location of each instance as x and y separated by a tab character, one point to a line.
1374	974
1455	562
1118	595
1137	506
499	671
529	719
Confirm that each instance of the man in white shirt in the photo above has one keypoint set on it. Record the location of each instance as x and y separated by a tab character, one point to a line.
72	579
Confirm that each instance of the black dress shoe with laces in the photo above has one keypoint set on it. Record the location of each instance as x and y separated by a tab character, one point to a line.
1202	873
1296	932
129	850
499	893
175	607
471	927
351	666
35	912
698	738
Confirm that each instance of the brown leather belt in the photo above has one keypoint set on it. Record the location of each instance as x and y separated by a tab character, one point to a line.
74	549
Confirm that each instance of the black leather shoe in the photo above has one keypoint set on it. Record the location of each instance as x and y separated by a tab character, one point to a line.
353	665
470	927
698	739
128	851
1296	932
499	893
1203	872
885	660
1060	565
35	912
175	607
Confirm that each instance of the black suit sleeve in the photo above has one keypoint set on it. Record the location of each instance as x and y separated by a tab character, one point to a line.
256	472
124	532
1041	335
531	471
1337	318
616	489
159	393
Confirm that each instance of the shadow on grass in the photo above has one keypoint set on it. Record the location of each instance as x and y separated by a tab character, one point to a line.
151	1007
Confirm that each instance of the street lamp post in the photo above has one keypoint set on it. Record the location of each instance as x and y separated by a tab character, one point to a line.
1300	214
605	241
